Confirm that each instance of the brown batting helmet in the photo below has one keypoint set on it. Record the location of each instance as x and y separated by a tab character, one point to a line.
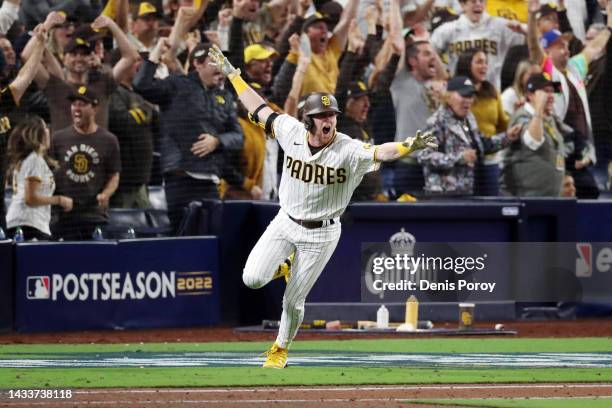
318	102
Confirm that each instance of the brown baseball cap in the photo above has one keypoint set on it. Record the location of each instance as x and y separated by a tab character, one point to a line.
83	93
77	42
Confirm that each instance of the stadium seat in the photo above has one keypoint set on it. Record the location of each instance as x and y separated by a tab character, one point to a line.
146	223
159	221
191	220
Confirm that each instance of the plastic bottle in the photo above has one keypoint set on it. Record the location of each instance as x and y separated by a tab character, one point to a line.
382	317
412	312
18	237
131	234
2	234
97	234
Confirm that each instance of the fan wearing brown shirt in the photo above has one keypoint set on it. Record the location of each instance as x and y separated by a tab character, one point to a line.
89	166
57	81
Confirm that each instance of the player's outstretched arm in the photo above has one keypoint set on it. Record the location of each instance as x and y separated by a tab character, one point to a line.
249	98
395	150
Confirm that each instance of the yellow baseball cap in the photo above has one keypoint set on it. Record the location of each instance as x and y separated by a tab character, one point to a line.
146	9
258	52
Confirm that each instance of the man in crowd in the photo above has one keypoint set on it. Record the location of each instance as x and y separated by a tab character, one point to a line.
475	28
90	163
58	82
323	71
132	120
535	166
199	127
571	104
414	103
145	24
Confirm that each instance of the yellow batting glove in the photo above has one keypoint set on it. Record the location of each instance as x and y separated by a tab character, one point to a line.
420	141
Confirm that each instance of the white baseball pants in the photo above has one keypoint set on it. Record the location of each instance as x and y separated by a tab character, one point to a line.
313	249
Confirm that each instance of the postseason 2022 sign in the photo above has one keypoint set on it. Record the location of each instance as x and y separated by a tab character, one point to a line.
165	282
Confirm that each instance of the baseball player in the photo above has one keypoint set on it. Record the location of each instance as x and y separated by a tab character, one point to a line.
477	29
321	169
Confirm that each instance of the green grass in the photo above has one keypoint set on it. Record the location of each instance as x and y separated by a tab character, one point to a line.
296	375
462	345
603	402
256	376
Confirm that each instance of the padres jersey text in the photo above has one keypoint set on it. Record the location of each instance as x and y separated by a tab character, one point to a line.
319	187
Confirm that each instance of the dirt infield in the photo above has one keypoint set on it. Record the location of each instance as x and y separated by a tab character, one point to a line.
556	328
316	397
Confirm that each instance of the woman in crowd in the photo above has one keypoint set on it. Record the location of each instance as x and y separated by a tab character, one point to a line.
489	114
449	170
513	97
33	183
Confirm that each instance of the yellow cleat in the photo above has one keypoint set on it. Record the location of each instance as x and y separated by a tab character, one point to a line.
284	269
276	357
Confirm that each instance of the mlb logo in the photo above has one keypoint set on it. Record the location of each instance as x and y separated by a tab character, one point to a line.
38	287
584	262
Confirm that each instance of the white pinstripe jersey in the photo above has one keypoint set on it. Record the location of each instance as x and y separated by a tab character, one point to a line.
490	34
319	187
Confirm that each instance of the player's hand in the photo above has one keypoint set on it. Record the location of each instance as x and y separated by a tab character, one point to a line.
421	141
206	144
221	62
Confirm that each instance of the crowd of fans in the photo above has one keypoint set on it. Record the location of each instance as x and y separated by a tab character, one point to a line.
100	99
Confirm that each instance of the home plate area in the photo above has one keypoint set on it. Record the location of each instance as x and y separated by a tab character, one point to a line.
313	358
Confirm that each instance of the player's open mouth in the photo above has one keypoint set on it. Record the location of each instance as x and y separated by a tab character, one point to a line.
326	129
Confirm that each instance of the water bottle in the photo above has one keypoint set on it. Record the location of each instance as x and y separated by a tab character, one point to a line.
412	312
131	234
2	234
97	234
18	235
382	317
